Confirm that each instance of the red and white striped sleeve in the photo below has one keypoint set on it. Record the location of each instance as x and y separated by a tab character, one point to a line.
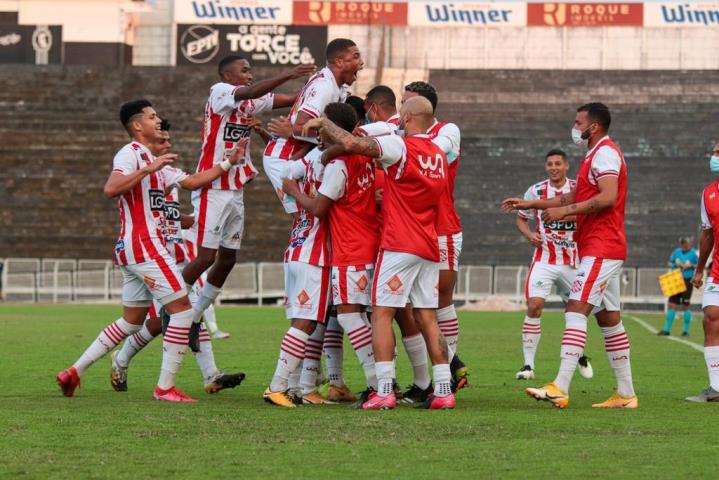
222	98
315	99
530	194
125	161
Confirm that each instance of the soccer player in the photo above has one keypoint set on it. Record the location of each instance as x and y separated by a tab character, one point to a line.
407	269
598	203
710	302
149	271
685	259
219	208
554	259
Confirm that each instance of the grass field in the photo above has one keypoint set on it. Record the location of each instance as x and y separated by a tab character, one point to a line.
495	432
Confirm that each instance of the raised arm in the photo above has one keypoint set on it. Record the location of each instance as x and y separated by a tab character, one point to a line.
282	100
200	179
256	90
514	203
119	183
333	135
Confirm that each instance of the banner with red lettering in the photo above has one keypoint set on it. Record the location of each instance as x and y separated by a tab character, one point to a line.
348	12
585	14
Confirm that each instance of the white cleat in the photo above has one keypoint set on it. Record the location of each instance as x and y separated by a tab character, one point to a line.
219	335
526	373
585	368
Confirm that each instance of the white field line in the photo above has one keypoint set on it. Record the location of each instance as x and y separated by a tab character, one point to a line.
646	325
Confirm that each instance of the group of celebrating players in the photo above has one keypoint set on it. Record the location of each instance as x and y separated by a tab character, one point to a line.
375	237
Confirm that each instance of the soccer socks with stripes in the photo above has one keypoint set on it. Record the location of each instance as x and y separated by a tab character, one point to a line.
133	344
575	336
360	336
449	325
711	356
108	339
207	297
334	354
385	378
313	360
174	346
417	352
205	357
292	351
531	334
687	320
616	343
442	379
670	319
210	319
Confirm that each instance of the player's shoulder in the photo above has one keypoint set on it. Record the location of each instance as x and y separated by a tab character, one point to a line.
130	149
539	187
447	128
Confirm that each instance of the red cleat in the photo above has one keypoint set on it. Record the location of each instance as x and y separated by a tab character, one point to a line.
438	403
377	402
68	380
172	395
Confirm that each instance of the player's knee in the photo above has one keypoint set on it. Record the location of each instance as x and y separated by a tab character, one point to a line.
307	326
178	306
535	307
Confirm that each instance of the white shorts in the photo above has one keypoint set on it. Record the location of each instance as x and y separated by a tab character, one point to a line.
273	167
597	282
158	279
307	291
542	276
450	247
711	294
219	218
352	285
401	278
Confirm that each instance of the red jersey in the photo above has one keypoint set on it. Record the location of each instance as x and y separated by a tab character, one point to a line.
446	136
601	234
416	177
710	221
354	228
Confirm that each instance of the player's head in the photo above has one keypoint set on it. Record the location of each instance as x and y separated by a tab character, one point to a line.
342	115
685	243
235	70
344	59
358	104
423	89
591	123
416	115
556	165
380	104
162	145
140	120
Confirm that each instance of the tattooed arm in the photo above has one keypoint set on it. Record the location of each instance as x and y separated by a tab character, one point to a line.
333	135
606	198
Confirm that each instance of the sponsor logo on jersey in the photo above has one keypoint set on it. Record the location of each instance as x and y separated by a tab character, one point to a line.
234	132
431	167
119	246
157	200
172	210
561	225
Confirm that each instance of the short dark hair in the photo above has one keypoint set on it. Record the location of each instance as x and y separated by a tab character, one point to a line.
597	112
337	47
358	104
556	151
423	89
342	114
132	108
165	125
226	61
382	94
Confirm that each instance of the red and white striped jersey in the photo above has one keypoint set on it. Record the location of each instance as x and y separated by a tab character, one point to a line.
447	137
376	129
559	247
309	239
319	91
226	122
142	209
173	228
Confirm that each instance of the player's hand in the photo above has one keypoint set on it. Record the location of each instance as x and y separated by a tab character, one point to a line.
280	127
511	204
290	186
535	239
238	152
161	162
678	263
697	279
311	127
256	124
303	70
552	214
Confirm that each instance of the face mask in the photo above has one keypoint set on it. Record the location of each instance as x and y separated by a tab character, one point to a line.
578	137
714	164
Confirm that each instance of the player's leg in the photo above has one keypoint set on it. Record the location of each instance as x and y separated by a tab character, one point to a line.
213	378
672	306
537	287
273	167
710	305
335	389
416	351
120	359
686	307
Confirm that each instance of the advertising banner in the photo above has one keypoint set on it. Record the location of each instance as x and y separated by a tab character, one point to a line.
463	14
261	44
348	12
585	14
233	12
37	44
673	14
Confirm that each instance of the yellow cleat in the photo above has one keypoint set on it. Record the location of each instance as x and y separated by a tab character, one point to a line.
617	401
281	399
550	393
335	393
314	398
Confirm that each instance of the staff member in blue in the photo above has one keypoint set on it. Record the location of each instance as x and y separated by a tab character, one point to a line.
684	258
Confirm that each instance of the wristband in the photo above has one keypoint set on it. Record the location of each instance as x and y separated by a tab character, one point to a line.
225	165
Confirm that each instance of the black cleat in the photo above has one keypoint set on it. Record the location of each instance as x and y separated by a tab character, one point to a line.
663	333
222	381
364	396
415	395
460	372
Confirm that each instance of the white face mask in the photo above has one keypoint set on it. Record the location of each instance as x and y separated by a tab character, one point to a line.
577	138
714	165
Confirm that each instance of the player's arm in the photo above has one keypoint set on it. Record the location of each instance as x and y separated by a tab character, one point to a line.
119	183
186	221
256	90
317	206
331	134
606	198
514	203
257	126
706	244
200	179
523	226
282	100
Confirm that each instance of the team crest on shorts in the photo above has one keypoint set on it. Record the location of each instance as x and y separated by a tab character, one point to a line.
362	283
603	286
304	298
394	283
149	281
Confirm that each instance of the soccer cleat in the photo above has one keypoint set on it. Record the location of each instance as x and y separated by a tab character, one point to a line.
219	335
336	393
377	402
525	373
222	381
707	395
415	395
550	393
685	334
434	402
193	338
460	372
314	398
663	333
172	395
281	399
68	380
364	396
585	368
118	374
617	401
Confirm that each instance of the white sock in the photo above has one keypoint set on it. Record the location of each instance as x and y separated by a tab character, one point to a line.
334	353
312	360
711	355
449	325
417	352
205	357
385	378
108	339
174	346
616	343
133	344
210	319
531	333
292	351
207	297
442	379
293	381
360	336
575	336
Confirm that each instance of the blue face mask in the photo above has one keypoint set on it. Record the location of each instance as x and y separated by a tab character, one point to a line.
714	164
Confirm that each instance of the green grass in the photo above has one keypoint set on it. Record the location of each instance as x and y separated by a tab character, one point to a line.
495	432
